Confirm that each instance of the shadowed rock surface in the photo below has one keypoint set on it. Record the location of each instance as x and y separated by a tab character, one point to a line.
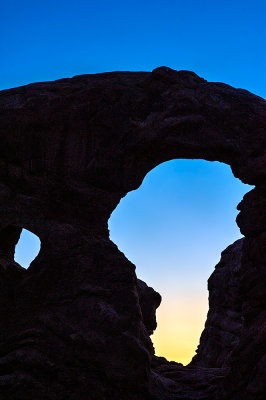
149	301
224	320
76	324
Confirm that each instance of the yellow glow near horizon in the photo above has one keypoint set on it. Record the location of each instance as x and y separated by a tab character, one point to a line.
180	323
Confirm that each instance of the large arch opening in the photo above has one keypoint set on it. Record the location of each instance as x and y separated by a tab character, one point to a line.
174	228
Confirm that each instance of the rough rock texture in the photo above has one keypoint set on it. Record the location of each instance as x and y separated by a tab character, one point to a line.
149	301
224	320
71	326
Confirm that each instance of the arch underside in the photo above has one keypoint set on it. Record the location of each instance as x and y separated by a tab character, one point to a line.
75	323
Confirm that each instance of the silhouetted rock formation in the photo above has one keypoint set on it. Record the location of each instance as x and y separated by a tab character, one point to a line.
224	320
149	301
76	324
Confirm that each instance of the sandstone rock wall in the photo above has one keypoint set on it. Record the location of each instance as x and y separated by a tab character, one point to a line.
224	322
71	325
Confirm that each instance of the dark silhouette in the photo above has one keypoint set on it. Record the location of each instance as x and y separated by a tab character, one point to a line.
76	324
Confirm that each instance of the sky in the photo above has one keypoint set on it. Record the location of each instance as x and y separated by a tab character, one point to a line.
219	40
175	226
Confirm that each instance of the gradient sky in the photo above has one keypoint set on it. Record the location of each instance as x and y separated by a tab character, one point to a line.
175	226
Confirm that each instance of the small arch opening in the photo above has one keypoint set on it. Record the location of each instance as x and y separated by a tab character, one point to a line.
174	228
27	248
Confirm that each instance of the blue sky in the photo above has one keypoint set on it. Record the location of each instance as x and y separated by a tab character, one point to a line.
219	40
175	226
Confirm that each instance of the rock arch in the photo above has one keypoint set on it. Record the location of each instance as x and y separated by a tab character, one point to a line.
70	149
